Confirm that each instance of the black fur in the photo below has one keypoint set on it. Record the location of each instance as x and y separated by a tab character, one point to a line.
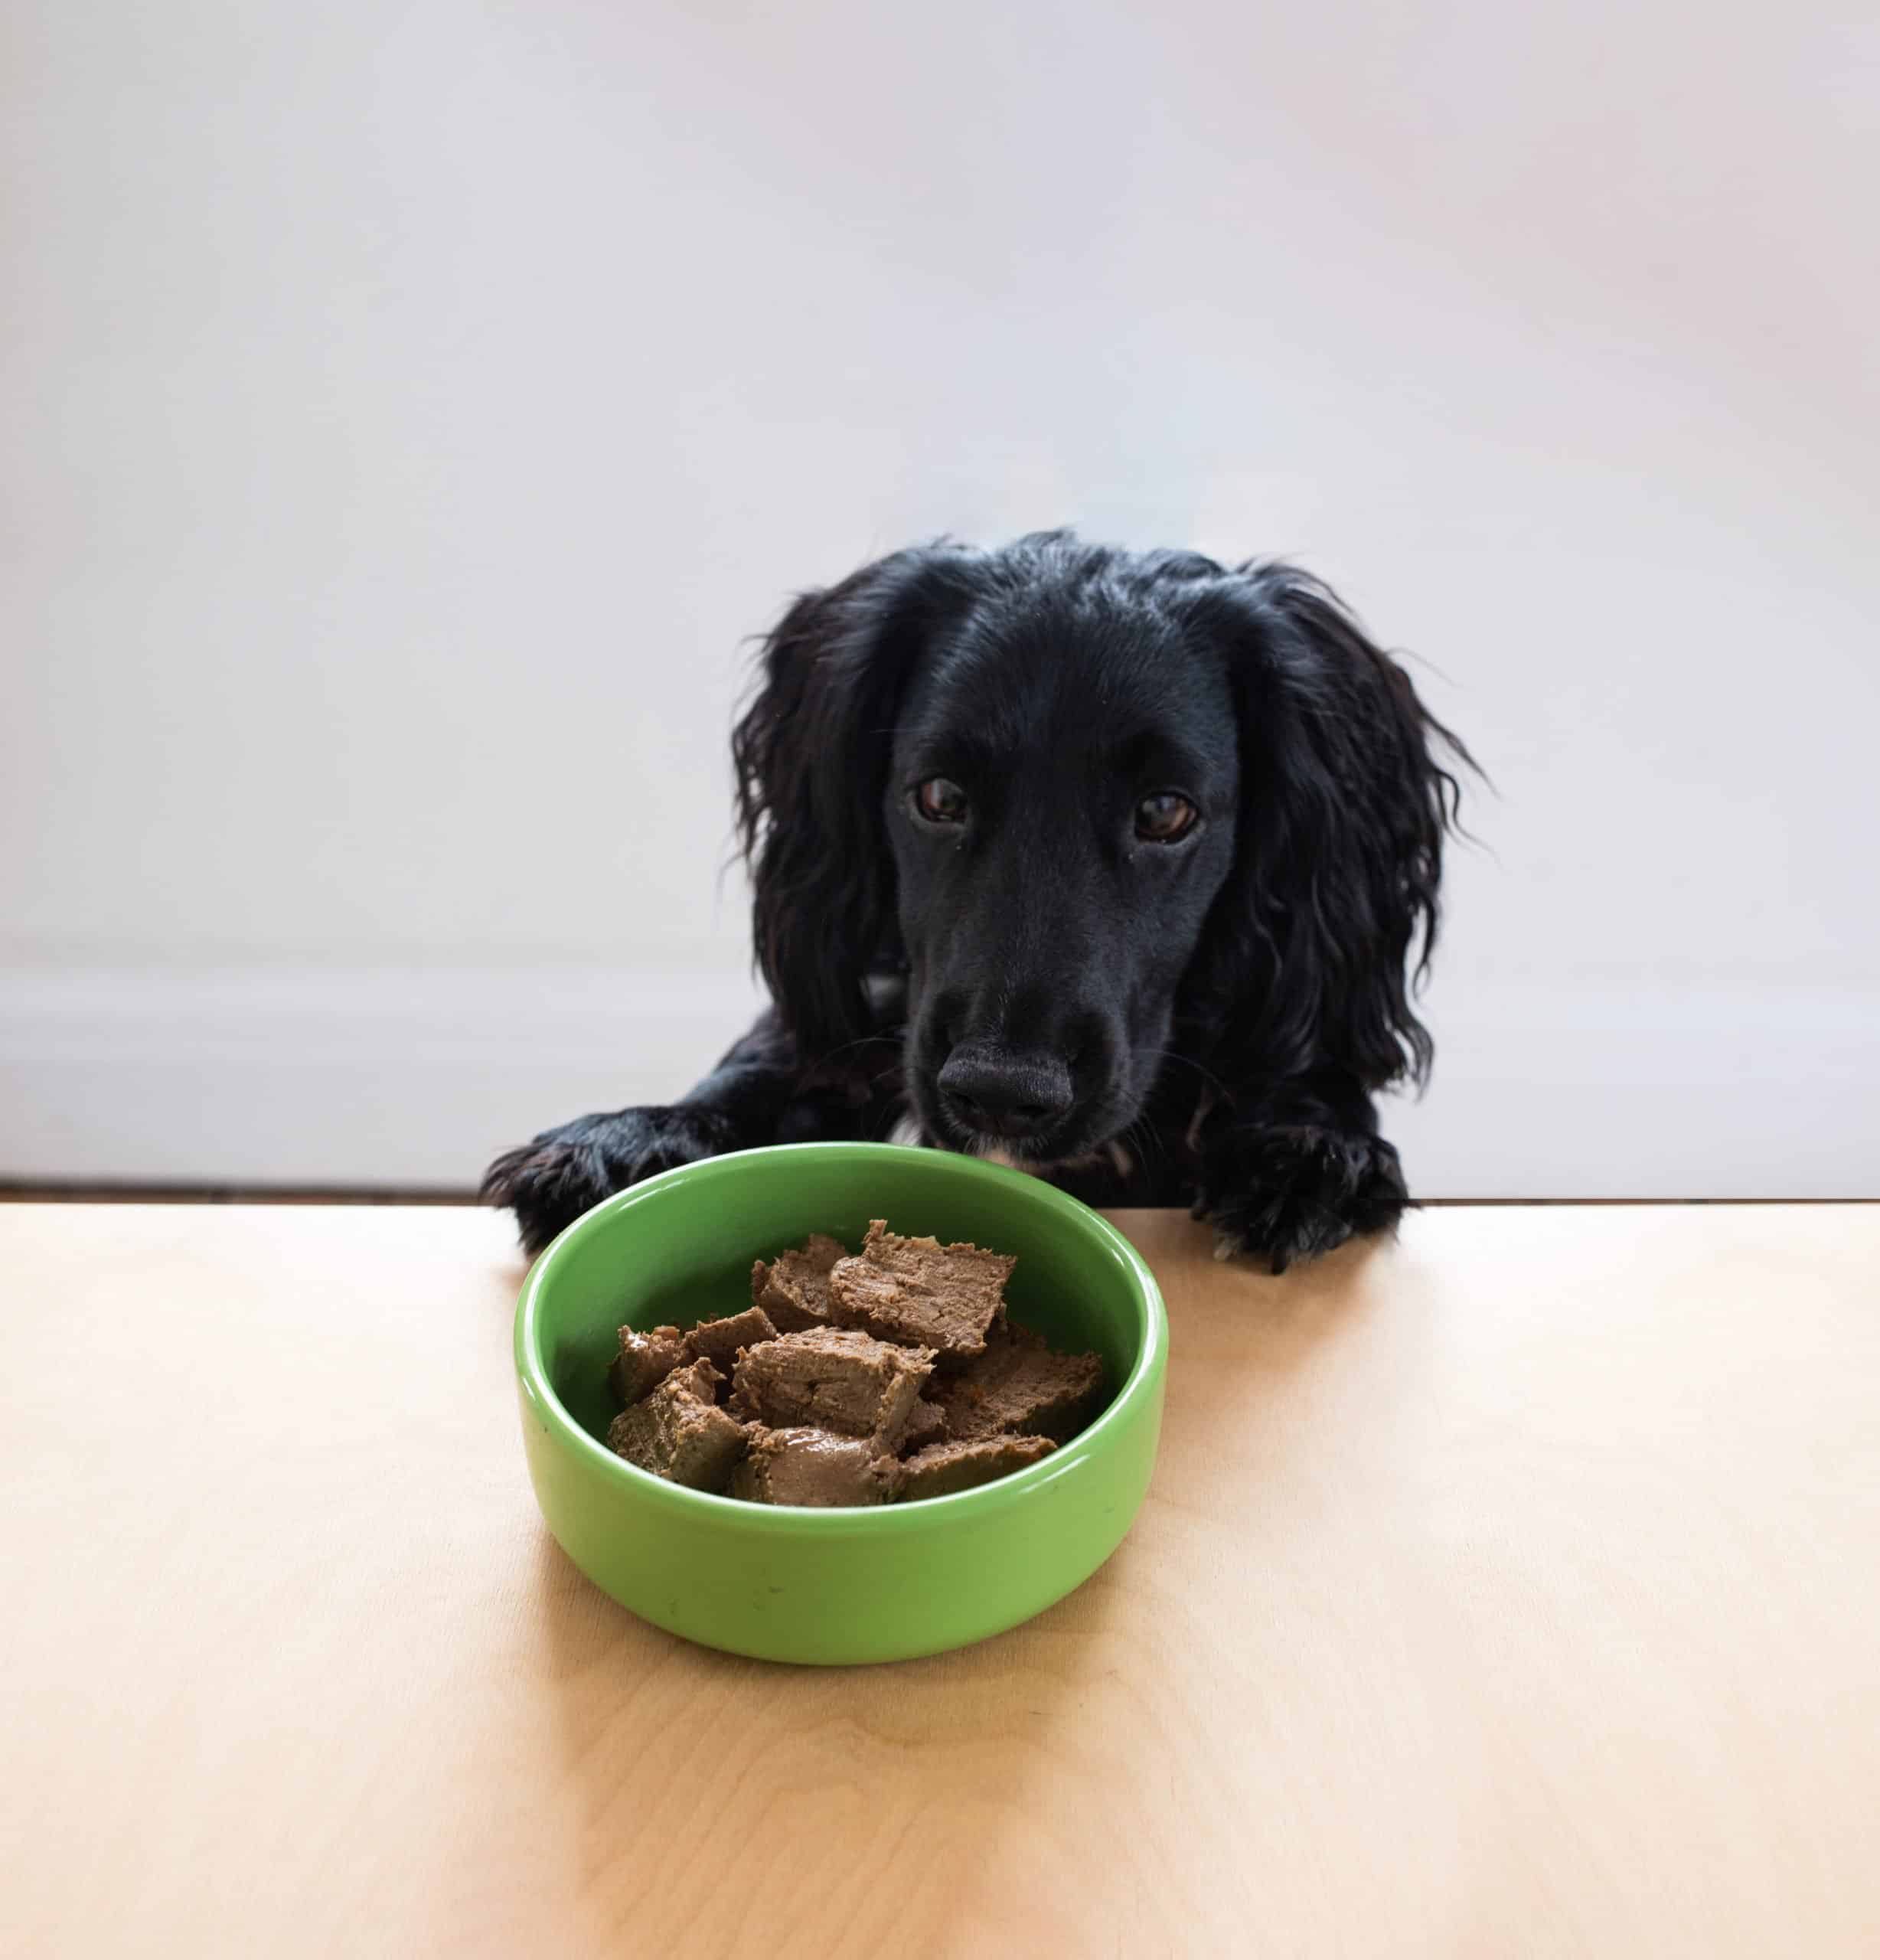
1201	1021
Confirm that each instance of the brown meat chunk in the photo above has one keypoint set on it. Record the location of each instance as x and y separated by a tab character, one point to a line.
831	1379
1018	1386
803	1466
943	1468
718	1341
942	1297
927	1424
678	1433
645	1361
794	1287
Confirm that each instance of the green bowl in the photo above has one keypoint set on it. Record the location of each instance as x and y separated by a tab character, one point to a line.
849	1585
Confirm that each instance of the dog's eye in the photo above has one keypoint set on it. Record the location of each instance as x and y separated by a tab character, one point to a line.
1164	819
940	802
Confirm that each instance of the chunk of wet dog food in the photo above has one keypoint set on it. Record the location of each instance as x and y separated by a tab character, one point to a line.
928	1423
943	1297
943	1468
805	1466
831	1378
793	1288
645	1361
719	1341
1018	1386
678	1432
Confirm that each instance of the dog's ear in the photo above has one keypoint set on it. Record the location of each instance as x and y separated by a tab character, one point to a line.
811	754
1329	919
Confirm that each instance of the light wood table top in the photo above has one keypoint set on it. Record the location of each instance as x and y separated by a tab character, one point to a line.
1514	1590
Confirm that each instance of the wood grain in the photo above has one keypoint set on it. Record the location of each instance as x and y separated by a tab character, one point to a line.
1510	1590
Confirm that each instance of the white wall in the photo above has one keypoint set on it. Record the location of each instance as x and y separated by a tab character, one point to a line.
407	410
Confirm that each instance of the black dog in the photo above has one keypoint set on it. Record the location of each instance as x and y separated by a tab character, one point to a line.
1112	866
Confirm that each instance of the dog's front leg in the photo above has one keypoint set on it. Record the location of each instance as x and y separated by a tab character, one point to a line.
759	1093
1292	1169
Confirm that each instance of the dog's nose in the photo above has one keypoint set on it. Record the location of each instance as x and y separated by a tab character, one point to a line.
1006	1092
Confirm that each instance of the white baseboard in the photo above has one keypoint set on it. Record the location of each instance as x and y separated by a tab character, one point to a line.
409	1080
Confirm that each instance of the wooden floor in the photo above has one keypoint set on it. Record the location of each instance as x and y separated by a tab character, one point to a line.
1508	1590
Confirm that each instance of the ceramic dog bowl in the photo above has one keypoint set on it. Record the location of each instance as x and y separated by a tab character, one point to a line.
848	1584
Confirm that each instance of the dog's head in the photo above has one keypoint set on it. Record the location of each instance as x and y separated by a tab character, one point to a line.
1092	802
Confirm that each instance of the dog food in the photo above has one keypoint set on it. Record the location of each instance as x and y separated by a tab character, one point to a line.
679	1432
927	1424
793	1288
919	1290
852	1380
943	1468
645	1361
808	1466
833	1378
721	1342
1018	1387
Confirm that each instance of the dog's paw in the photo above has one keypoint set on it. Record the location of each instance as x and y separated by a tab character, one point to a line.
1286	1194
548	1182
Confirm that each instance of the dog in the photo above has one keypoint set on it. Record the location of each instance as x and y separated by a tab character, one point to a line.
1120	867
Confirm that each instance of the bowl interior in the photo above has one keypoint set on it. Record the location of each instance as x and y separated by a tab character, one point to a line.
678	1248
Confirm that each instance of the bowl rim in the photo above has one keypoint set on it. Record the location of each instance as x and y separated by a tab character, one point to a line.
1016	1487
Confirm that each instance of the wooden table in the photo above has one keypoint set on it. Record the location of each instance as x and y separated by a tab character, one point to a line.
1509	1591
